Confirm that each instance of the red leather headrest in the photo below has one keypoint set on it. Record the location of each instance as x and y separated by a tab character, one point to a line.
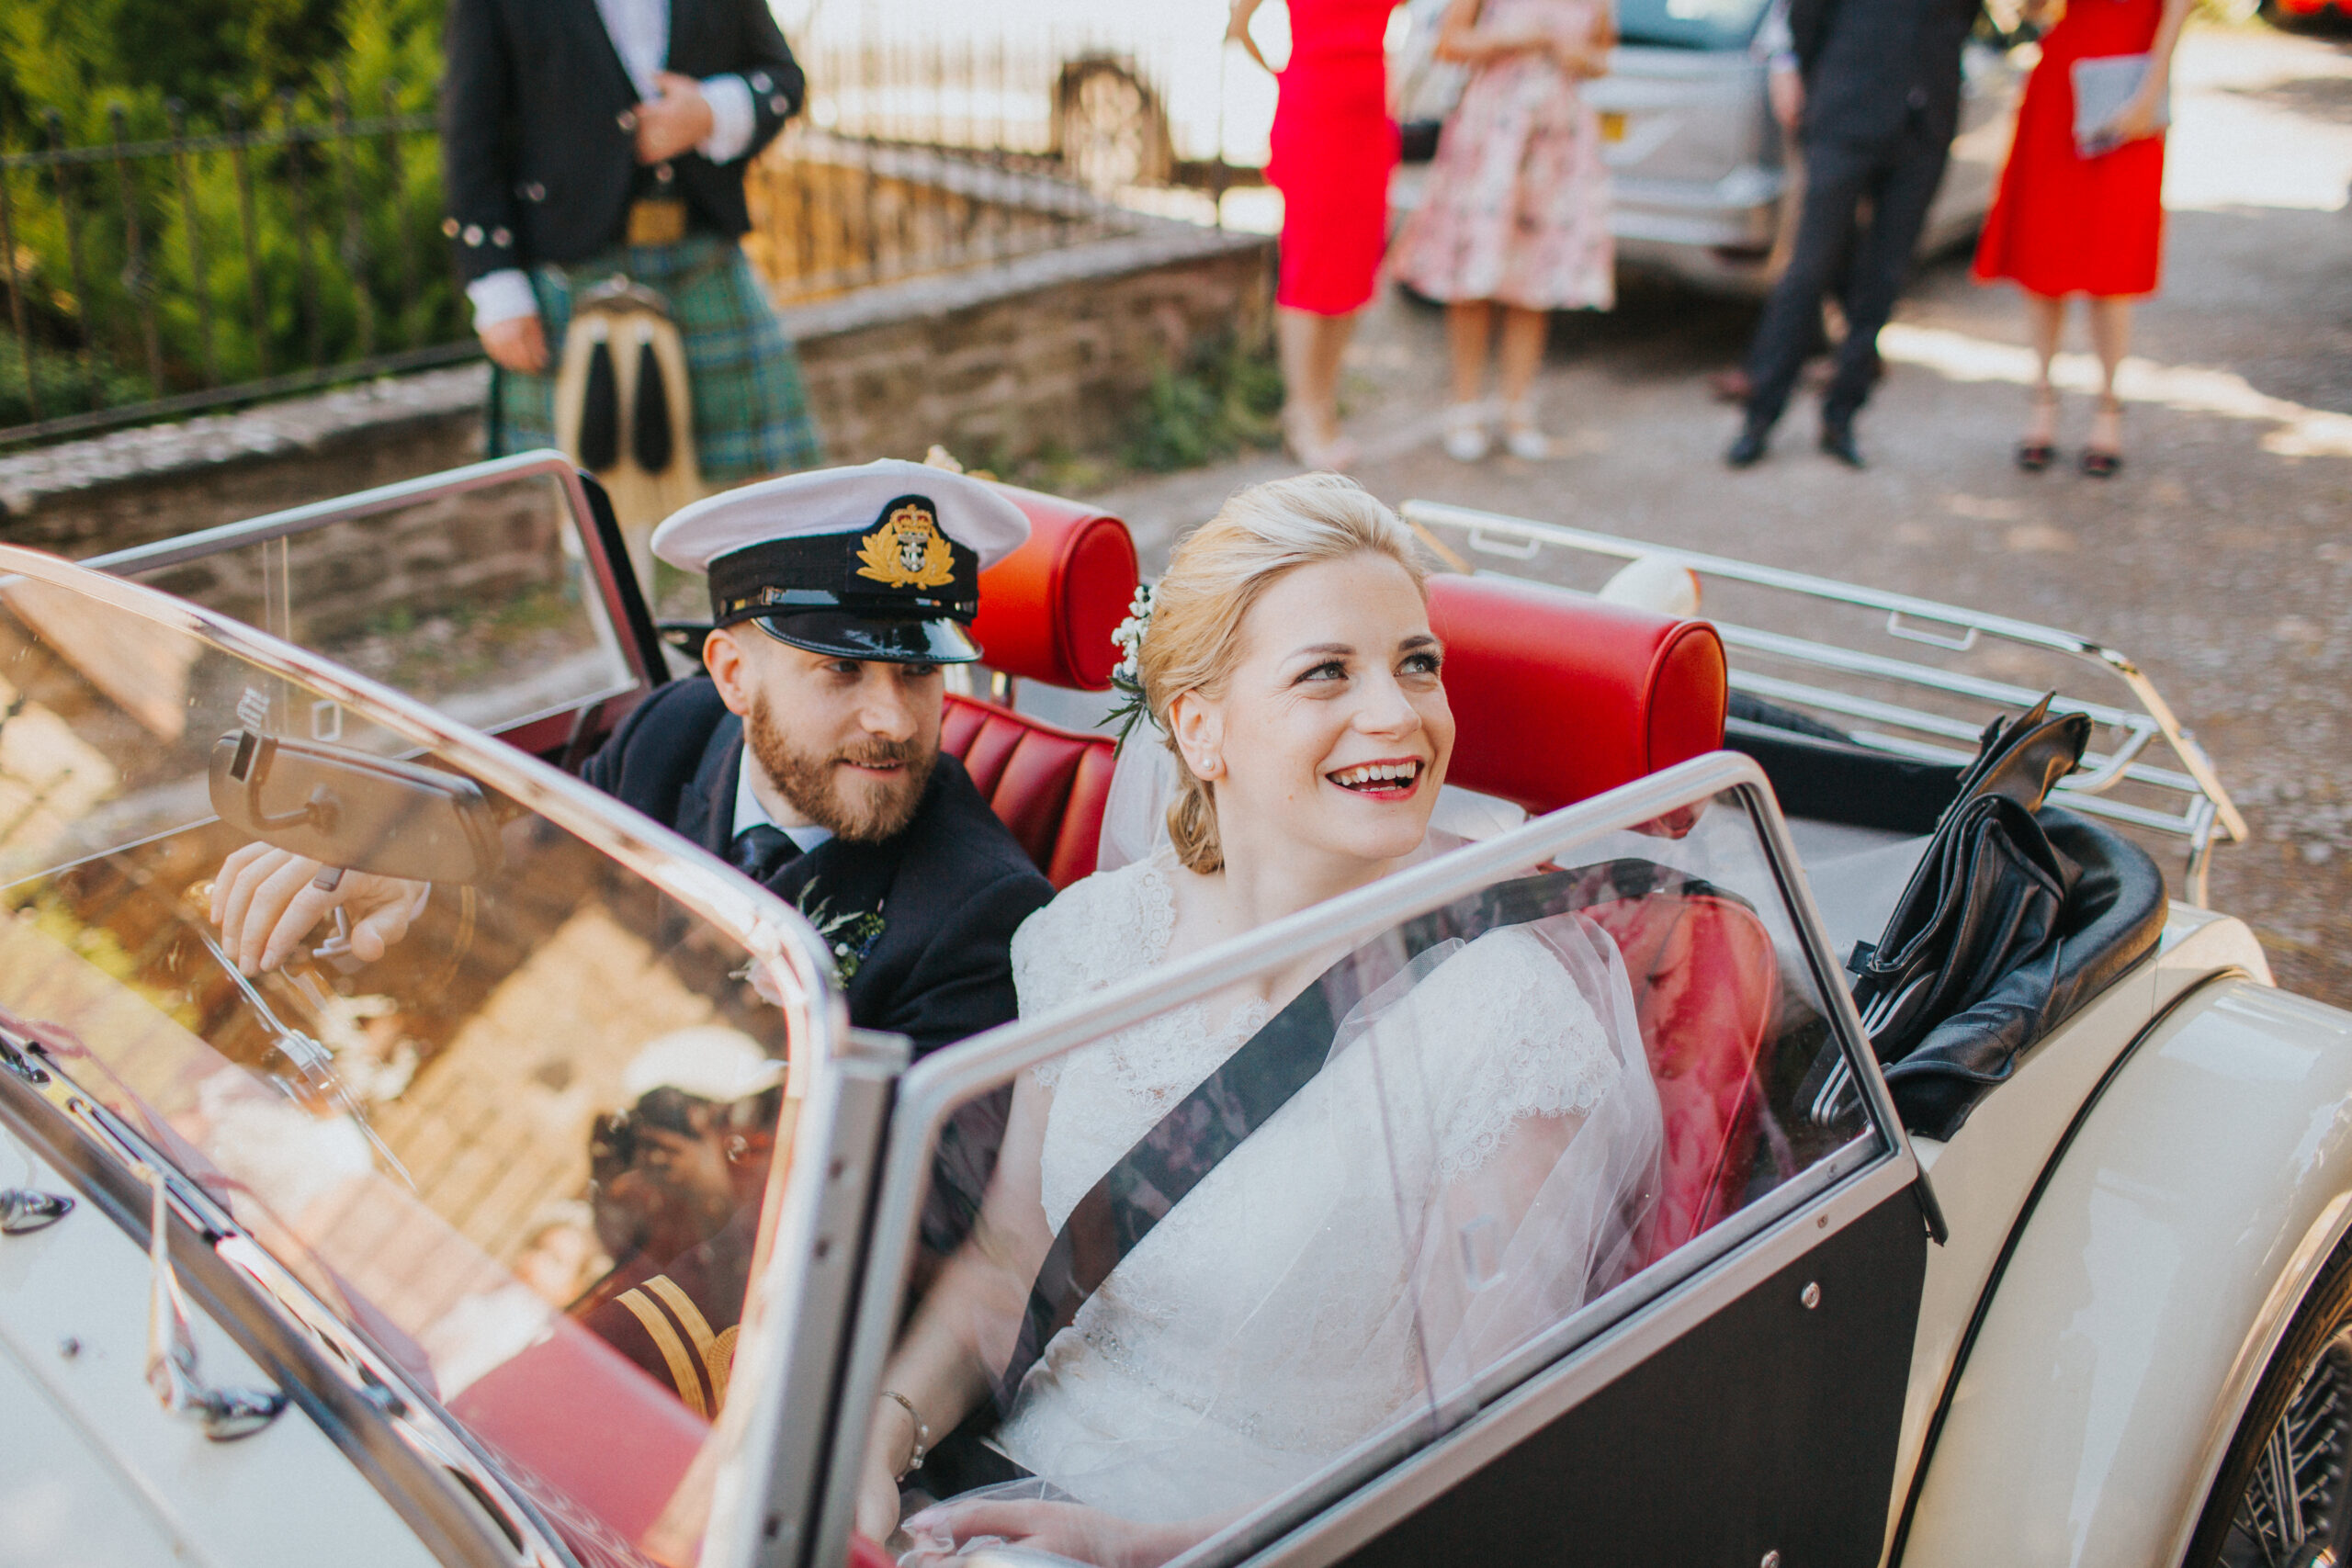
1049	609
1557	697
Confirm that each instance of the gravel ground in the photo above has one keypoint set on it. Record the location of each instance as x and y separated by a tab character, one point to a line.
2220	560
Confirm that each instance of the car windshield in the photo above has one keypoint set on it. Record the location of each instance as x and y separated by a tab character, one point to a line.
1264	1232
1690	24
511	1117
472	595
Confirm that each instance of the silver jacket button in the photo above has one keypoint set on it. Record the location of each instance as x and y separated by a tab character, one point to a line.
626	120
473	234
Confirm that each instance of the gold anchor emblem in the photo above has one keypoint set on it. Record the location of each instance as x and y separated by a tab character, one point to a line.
908	550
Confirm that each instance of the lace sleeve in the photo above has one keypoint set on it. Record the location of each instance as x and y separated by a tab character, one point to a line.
1505	1035
1093	931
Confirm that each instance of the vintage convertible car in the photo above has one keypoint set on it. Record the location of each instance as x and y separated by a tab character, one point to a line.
575	1227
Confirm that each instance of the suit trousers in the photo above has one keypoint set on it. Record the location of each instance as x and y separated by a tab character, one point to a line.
1899	180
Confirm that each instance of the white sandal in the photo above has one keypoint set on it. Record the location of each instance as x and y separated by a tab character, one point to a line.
1467	438
1521	437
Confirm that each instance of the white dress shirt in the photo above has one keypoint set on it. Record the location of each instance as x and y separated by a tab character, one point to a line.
641	33
750	813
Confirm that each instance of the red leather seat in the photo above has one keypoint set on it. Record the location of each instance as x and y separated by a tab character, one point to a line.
1558	697
1049	609
1046	613
1048	784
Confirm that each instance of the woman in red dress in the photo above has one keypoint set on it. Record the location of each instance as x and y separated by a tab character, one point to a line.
1333	149
2062	223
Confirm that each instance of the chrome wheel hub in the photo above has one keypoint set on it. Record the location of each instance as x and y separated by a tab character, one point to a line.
2293	1514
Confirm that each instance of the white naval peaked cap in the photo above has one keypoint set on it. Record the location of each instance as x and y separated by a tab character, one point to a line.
710	1062
970	512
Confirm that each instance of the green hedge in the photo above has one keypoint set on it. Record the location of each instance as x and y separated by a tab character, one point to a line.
380	284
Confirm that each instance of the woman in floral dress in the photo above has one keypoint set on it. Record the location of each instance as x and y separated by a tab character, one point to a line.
1517	211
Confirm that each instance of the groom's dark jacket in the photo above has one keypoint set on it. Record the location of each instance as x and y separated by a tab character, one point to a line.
950	889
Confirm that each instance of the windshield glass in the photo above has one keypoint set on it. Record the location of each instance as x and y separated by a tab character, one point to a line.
508	1111
1245	1251
1690	24
476	599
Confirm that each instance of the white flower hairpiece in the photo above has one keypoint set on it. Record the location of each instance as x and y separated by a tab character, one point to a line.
1126	676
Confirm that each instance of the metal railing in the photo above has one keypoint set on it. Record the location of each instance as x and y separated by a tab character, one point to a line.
832	212
298	245
167	275
1900	705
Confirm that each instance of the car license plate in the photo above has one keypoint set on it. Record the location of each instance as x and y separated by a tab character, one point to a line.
1612	125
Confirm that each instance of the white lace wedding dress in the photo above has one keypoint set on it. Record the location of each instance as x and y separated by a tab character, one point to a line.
1460	1174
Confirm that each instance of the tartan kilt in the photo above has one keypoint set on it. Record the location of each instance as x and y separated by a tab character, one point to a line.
751	413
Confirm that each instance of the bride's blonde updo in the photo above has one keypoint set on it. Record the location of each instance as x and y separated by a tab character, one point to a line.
1216	574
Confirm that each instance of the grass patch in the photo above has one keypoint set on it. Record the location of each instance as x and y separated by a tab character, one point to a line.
1224	397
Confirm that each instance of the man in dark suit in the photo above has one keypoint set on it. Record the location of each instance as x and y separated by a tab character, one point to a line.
599	137
1881	85
810	758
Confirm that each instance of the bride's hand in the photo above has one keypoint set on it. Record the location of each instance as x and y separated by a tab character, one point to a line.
1067	1529
877	1488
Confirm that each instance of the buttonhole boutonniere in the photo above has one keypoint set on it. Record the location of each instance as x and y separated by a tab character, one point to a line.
849	934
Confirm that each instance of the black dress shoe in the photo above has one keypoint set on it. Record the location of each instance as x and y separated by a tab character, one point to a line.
1748	449
1837	440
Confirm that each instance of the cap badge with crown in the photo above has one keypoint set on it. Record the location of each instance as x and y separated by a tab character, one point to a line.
908	550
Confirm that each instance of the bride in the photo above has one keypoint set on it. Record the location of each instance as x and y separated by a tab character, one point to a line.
1463	1161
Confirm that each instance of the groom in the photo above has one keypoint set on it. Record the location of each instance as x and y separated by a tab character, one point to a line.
810	758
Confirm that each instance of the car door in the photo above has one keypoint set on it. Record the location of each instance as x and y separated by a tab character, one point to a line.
1717	1379
500	594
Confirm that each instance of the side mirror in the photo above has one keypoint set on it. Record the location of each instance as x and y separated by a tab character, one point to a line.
361	812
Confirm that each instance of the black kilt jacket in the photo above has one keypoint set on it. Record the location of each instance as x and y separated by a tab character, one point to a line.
951	888
538	156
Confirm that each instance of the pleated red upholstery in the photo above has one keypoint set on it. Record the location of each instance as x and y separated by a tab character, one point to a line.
1048	784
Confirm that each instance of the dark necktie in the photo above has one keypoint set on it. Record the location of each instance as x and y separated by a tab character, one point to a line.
759	849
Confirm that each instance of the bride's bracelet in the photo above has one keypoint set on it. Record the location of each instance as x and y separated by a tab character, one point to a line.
923	1432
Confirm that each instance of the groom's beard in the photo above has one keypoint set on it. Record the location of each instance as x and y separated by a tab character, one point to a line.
860	810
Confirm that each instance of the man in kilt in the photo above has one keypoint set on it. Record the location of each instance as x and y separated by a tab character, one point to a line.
586	138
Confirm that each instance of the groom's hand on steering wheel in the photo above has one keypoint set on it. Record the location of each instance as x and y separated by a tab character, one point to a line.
266	900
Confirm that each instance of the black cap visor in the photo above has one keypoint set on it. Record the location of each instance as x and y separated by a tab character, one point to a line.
891	642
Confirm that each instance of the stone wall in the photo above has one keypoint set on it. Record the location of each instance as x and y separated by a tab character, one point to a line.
1045	353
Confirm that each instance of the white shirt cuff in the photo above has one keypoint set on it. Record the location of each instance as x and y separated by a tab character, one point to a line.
731	119
500	296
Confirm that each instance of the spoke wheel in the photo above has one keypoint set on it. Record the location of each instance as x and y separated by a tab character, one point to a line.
2282	1499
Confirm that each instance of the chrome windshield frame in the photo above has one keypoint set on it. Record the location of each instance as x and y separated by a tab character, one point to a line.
638	648
793	955
1724	1259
